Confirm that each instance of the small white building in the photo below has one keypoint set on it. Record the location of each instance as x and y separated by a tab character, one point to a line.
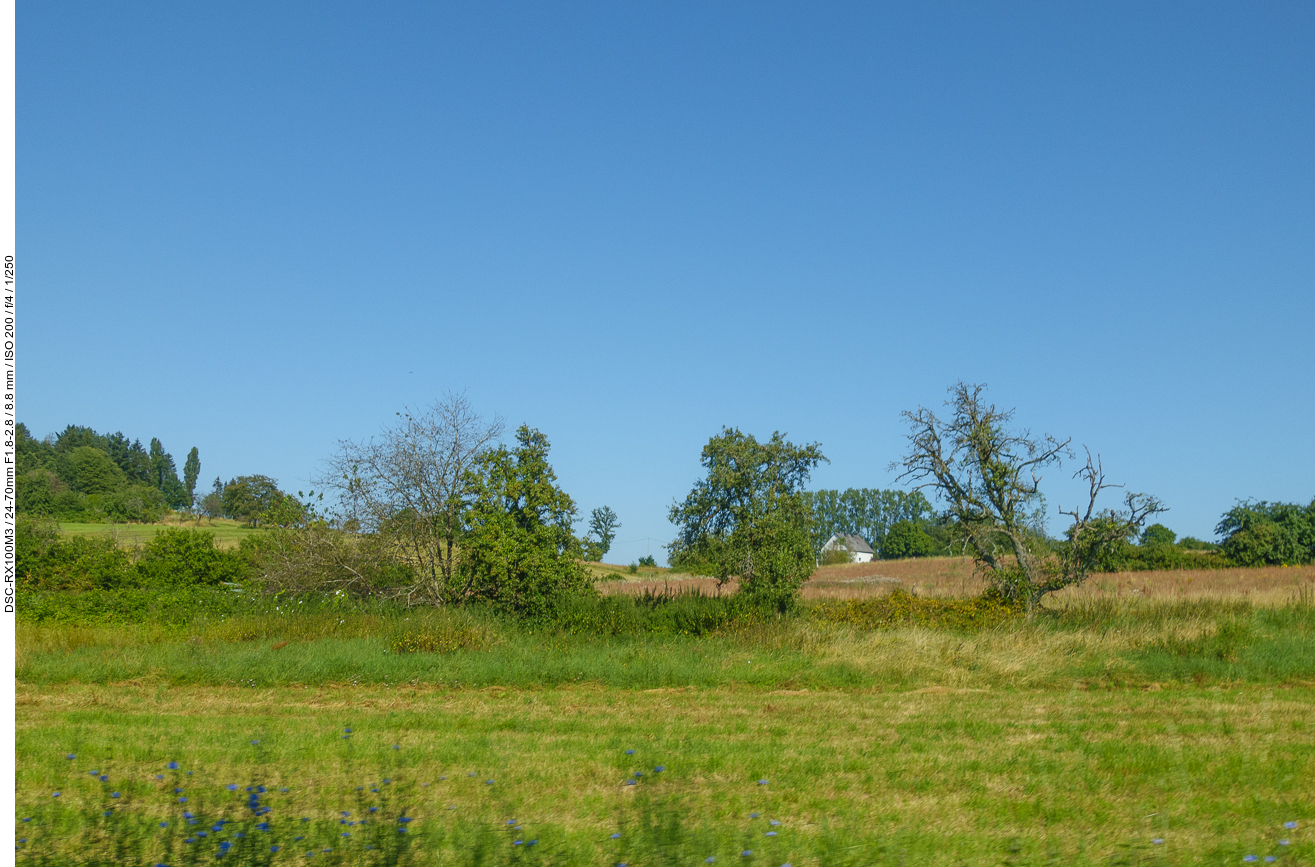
859	550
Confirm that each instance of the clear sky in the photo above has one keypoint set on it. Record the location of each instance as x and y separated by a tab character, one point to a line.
259	228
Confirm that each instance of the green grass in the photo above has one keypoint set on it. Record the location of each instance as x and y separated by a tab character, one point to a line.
1076	738
228	534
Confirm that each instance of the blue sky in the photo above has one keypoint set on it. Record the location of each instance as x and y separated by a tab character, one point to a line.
262	228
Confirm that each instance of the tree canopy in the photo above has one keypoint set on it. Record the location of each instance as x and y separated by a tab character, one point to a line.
748	517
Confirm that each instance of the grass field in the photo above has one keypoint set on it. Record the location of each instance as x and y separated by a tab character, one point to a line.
1179	713
228	533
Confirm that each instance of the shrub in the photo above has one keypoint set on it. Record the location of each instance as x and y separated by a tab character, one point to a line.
47	561
900	608
186	557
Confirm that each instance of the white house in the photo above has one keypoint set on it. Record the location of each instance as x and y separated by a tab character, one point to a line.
859	550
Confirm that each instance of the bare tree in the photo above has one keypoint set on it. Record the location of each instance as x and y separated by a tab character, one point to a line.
412	487
990	478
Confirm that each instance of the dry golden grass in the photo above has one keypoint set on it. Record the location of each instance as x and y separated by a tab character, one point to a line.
955	577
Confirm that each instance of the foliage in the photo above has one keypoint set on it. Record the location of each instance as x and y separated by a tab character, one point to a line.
907	539
251	498
519	553
864	512
164	475
175	557
748	517
191	470
414	486
1263	533
649	561
603	524
900	608
179	557
989	477
89	470
46	561
1157	534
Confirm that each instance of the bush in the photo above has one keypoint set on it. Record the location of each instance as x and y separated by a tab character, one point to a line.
900	608
179	557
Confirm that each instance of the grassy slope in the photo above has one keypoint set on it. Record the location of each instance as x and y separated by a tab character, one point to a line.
228	533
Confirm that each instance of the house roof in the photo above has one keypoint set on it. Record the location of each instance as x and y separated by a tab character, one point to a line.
854	544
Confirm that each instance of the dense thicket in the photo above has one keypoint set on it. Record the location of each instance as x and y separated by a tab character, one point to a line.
49	561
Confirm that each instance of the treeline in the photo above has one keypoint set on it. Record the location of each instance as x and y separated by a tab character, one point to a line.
82	475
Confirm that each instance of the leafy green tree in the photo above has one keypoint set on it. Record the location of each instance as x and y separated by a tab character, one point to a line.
1263	533
248	498
603	524
191	470
748	517
137	503
1157	535
906	539
37	490
520	553
989	475
89	470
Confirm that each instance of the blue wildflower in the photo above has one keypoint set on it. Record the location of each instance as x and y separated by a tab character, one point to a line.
753	815
630	752
232	787
1280	842
404	819
771	833
616	836
173	766
531	843
225	845
1290	825
488	782
1157	841
263	826
746	853
397	746
709	859
1251	858
773	822
762	782
273	848
659	769
374	809
56	794
114	794
70	757
517	842
1269	859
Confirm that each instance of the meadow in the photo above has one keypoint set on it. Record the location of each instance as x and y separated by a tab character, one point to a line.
228	533
1149	718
